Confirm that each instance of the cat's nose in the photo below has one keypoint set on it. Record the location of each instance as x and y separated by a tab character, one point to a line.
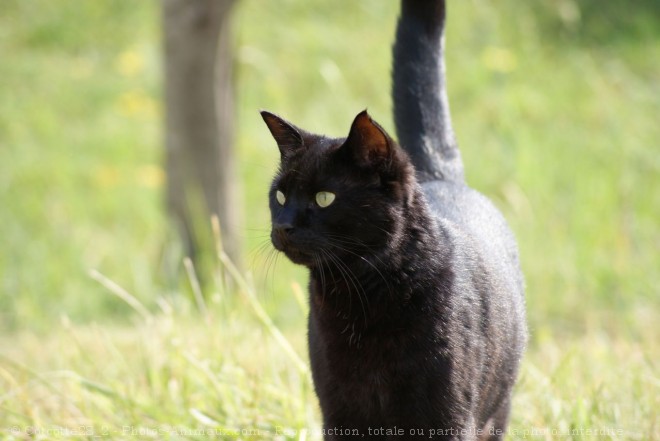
283	228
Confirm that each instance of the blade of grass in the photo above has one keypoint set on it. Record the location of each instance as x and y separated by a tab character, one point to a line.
120	292
299	296
261	313
196	288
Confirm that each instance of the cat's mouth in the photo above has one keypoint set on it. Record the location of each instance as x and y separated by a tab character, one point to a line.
296	255
299	256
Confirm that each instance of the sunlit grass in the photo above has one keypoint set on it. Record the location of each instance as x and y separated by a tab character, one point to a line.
223	370
207	370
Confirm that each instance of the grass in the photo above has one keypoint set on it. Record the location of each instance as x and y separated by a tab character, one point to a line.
174	371
229	373
556	113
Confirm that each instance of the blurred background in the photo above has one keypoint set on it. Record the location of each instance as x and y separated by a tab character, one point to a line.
555	105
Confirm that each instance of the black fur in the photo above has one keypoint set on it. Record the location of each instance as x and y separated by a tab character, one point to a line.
417	320
421	108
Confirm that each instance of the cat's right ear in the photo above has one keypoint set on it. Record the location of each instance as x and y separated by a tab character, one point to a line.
289	138
367	143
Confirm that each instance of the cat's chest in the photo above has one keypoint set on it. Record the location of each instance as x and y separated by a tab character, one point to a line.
355	299
369	359
364	368
357	349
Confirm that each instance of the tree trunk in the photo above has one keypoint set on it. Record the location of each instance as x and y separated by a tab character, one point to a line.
200	161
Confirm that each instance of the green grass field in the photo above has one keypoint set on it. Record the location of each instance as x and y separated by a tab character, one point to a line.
555	105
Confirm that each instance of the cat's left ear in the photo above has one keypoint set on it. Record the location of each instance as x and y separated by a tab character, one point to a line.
367	142
289	138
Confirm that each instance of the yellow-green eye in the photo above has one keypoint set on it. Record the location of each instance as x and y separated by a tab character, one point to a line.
324	198
281	199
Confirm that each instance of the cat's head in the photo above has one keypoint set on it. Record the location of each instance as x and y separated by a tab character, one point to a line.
337	198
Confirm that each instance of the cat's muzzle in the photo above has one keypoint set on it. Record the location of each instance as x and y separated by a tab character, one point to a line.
283	240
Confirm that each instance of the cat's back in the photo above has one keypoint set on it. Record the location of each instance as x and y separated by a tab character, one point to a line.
473	215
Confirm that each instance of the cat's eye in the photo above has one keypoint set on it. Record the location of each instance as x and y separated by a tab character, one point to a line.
324	198
281	199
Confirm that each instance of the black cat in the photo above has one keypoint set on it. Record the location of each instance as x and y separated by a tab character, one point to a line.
417	320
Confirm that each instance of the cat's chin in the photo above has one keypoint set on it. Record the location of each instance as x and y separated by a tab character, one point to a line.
299	257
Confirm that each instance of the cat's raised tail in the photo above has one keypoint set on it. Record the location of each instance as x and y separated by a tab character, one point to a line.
421	107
